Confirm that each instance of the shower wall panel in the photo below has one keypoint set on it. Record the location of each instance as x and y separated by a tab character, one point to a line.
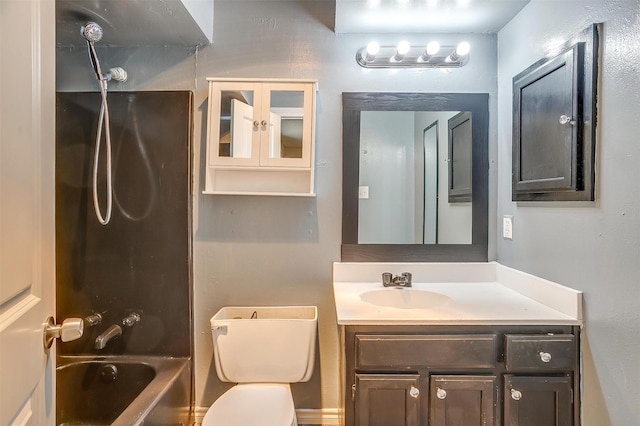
140	261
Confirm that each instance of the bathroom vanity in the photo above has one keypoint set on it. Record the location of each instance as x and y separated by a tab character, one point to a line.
468	343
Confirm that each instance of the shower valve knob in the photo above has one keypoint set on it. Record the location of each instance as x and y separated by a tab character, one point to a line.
118	74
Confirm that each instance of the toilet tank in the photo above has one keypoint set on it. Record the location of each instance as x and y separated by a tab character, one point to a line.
264	344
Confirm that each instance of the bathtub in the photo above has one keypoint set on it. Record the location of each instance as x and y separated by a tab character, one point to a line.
123	390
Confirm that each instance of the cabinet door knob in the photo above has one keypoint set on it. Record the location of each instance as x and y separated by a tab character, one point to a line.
264	122
516	395
441	393
256	123
545	356
566	119
414	392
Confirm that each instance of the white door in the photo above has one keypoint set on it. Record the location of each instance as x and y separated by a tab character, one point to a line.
241	129
275	135
27	231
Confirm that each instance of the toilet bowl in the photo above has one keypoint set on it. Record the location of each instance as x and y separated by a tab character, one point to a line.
259	404
263	350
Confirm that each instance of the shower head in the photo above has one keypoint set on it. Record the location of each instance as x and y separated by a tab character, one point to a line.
91	31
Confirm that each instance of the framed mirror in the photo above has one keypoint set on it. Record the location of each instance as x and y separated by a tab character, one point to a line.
404	155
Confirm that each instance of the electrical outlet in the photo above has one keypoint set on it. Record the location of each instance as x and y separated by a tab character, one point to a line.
363	192
507	227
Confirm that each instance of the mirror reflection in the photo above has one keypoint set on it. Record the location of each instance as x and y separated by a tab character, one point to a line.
415	177
240	123
435	178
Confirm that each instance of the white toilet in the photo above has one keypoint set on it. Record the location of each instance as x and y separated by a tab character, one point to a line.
263	349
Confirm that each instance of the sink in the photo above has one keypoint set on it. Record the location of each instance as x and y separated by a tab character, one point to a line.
403	298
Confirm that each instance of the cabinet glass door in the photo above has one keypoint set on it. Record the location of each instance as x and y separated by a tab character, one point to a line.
236	124
287	141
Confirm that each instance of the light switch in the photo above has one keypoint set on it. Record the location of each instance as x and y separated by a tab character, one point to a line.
507	227
363	192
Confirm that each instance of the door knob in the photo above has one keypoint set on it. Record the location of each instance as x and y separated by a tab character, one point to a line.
70	329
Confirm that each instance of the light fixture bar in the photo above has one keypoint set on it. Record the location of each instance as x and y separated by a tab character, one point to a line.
414	57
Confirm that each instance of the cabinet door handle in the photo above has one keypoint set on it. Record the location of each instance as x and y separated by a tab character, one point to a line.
256	123
516	395
264	122
414	392
441	393
545	357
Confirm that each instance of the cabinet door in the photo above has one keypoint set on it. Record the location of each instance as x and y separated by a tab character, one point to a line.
538	401
387	400
462	400
460	154
233	126
287	130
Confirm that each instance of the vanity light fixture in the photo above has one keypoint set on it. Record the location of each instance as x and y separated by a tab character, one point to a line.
404	55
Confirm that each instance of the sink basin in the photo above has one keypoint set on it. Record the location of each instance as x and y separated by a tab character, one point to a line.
403	298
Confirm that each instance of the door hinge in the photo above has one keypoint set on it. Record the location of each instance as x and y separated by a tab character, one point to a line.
353	392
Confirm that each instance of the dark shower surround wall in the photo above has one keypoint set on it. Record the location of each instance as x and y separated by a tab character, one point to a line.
141	261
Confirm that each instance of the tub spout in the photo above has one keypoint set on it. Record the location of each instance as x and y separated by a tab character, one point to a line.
110	333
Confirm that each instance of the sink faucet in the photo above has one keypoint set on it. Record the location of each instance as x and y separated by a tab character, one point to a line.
110	333
400	281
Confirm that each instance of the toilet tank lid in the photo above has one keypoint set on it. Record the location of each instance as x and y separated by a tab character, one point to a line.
234	313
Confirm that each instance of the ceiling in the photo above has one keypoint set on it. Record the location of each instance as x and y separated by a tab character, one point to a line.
424	16
190	22
137	23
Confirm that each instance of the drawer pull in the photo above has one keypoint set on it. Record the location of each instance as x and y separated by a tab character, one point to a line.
441	393
414	392
545	357
516	395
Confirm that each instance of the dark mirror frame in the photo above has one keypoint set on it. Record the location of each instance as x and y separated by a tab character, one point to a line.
353	103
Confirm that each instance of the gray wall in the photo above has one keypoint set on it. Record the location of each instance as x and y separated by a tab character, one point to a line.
276	250
592	247
260	250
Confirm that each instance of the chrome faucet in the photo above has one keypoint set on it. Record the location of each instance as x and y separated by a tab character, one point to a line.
400	281
109	334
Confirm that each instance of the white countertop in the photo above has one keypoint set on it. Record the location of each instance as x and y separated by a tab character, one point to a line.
460	294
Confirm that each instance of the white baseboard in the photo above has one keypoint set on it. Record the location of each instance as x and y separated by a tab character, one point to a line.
318	416
306	416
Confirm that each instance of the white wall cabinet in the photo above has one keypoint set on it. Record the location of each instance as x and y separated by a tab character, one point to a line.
260	137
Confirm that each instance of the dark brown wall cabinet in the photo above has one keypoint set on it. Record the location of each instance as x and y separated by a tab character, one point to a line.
454	375
554	114
460	158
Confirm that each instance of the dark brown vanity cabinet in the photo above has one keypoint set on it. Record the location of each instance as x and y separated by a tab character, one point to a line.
455	375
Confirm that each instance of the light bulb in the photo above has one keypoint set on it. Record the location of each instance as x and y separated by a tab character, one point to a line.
433	48
403	48
463	49
373	48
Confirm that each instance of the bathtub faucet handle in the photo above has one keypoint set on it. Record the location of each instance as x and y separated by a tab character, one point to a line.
130	320
93	319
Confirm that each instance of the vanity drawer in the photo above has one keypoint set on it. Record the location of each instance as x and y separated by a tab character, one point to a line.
383	352
538	351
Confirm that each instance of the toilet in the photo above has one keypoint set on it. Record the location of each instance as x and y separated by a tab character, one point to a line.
263	349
